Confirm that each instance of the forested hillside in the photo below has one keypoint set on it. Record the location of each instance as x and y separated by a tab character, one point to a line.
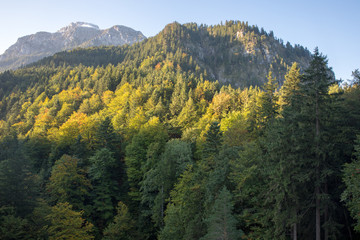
201	132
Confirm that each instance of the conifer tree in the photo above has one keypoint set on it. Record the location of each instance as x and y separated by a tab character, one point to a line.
184	215
107	138
351	178
213	140
17	183
291	84
188	114
160	180
302	154
356	77
122	226
268	101
103	174
11	226
315	84
221	222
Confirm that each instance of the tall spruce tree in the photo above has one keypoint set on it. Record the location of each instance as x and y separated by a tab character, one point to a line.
303	155
213	140
221	222
105	192
267	106
315	85
291	84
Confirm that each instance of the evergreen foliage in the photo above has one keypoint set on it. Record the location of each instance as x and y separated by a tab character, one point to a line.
221	222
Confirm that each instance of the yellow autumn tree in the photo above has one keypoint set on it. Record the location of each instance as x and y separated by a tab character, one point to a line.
67	224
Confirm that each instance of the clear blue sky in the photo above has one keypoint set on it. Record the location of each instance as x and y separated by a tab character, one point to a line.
332	25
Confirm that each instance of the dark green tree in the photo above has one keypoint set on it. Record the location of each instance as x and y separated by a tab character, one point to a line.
290	85
105	192
351	178
221	221
286	196
160	180
17	184
107	138
268	106
356	77
185	212
11	226
316	110
122	226
213	140
68	183
302	160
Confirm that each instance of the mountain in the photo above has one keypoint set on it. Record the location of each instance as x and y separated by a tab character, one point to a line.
234	53
34	47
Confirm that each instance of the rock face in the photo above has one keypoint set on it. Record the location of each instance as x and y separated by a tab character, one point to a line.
34	47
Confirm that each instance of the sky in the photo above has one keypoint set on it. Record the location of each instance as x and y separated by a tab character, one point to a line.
331	25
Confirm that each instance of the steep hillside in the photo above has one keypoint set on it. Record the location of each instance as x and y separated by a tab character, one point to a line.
234	53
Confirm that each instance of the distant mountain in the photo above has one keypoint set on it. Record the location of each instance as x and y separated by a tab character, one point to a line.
34	47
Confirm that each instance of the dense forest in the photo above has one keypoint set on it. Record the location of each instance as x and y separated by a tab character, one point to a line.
201	132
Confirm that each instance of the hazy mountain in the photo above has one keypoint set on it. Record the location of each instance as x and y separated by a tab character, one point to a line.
34	47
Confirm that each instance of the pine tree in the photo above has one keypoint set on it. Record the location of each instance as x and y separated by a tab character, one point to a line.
356	77
266	106
213	140
286	195
268	101
122	226
184	215
188	114
301	154
351	178
107	138
103	174
315	84
11	226
291	84
160	180
17	183
221	222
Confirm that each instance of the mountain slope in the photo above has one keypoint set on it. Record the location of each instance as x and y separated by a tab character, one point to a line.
34	47
235	53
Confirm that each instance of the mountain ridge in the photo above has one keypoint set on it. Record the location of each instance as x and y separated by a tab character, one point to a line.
34	47
234	53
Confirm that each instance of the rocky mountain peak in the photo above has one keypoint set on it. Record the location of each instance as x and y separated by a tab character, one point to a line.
75	25
36	46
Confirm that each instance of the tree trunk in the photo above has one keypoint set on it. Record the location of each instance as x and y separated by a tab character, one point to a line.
317	183
348	226
162	205
317	213
326	216
294	231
